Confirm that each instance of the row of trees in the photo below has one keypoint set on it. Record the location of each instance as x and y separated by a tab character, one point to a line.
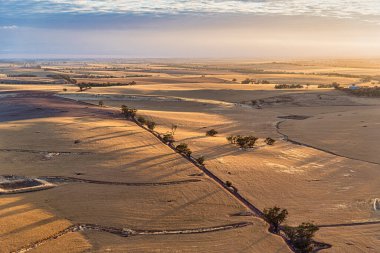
288	86
246	142
105	84
301	237
243	142
334	85
253	81
365	91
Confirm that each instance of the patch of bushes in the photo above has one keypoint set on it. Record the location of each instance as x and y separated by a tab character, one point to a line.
301	237
211	132
201	160
247	81
141	120
243	142
151	124
128	113
288	86
168	138
270	141
83	86
365	92
183	149
334	85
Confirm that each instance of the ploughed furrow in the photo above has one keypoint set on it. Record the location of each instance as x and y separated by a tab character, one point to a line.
61	179
126	232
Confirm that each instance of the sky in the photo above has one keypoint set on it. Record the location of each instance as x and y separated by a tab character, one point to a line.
189	29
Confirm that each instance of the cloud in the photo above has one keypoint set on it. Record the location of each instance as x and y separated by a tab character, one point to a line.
329	8
8	27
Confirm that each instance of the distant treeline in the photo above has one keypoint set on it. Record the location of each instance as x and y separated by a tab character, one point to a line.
63	76
83	86
22	75
333	85
253	81
364	91
109	76
288	86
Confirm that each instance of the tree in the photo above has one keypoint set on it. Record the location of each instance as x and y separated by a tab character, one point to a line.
301	237
128	112
151	124
174	128
270	141
275	216
168	138
183	149
211	132
201	160
141	120
246	81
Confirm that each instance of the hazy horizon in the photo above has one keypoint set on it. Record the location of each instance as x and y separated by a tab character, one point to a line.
190	29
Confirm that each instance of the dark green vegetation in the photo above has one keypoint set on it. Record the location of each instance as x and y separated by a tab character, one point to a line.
129	113
288	86
270	141
275	216
301	237
211	132
183	149
243	142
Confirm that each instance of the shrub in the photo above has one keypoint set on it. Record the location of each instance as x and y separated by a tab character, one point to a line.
64	89
101	103
174	128
168	138
275	216
336	85
301	237
141	120
269	141
201	160
246	81
211	132
151	124
228	184
128	112
230	139
234	80
183	149
246	141
287	86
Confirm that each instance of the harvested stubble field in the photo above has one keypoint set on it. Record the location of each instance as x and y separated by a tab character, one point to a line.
323	166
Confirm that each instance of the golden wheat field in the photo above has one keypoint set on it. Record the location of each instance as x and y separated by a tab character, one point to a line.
77	176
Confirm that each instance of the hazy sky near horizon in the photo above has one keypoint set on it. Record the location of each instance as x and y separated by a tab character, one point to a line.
167	28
